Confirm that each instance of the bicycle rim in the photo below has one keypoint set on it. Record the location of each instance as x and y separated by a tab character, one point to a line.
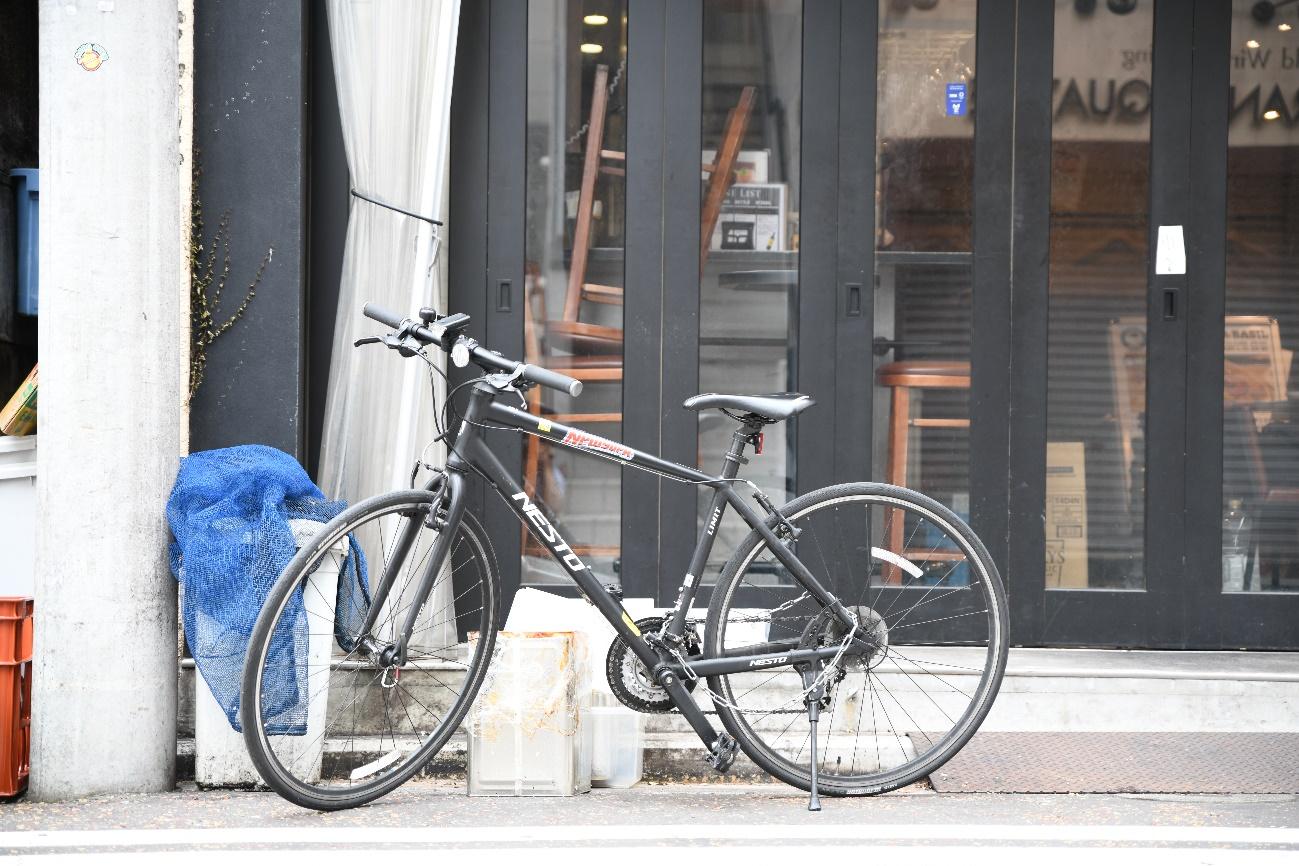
930	595
335	728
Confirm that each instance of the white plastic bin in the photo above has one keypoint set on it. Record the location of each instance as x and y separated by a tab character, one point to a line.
18	505
525	730
220	758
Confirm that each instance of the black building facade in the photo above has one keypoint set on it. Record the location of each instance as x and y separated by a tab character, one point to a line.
1035	259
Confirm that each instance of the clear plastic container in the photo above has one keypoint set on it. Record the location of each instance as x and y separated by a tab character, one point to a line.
617	746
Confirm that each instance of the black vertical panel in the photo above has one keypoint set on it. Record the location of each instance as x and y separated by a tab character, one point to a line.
990	356
467	200
327	225
1026	504
643	295
506	208
467	186
852	395
814	430
682	135
250	93
1170	130
1206	236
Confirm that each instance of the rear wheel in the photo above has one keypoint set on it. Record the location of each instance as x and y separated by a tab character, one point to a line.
327	724
920	581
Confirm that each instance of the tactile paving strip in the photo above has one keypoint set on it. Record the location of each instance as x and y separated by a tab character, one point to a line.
1103	763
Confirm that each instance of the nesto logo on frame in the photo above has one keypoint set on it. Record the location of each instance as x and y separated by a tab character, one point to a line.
581	439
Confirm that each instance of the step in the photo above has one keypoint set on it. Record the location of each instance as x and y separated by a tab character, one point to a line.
1043	690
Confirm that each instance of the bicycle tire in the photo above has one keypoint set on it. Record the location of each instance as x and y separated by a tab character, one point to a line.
333	794
724	608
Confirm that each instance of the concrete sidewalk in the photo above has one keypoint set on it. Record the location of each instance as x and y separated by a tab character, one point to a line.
732	820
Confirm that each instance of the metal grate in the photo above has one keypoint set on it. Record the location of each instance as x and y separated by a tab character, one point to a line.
1102	763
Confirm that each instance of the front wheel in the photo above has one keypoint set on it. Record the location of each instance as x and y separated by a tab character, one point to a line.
327	724
919	579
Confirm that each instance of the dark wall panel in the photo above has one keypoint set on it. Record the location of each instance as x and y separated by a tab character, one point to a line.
18	87
249	135
328	203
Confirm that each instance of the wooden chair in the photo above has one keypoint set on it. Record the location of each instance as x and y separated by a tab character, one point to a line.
595	352
569	331
904	377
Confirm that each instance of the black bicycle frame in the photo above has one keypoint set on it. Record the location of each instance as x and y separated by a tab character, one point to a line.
470	453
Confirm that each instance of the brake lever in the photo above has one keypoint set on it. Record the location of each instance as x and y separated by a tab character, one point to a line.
406	346
365	341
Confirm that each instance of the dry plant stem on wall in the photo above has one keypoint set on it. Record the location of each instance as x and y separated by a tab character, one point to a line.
209	270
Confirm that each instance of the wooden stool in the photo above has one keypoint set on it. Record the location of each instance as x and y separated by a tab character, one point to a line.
903	377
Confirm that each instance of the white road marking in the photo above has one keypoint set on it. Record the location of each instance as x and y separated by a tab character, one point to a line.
742	855
812	831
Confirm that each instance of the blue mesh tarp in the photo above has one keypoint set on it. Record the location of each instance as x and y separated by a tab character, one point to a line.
229	512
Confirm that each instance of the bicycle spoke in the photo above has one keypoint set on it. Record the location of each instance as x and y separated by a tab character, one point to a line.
366	725
864	744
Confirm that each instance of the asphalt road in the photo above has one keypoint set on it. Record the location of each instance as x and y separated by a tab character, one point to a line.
735	823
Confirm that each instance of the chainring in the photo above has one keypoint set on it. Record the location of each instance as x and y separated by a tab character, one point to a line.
631	682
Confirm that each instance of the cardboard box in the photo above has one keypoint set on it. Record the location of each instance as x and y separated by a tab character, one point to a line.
1066	516
18	418
750	165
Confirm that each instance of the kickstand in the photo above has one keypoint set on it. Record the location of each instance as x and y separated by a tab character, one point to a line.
813	702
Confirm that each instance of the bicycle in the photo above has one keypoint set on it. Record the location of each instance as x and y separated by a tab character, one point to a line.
811	618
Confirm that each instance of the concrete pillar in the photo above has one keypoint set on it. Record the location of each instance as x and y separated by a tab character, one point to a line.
113	341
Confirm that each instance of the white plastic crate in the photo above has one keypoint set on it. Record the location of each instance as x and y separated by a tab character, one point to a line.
18	505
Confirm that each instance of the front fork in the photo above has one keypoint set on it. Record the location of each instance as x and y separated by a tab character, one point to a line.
444	516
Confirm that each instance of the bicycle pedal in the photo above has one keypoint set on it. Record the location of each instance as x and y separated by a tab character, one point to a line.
722	754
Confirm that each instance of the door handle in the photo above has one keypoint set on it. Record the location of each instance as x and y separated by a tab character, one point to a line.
1172	303
854	299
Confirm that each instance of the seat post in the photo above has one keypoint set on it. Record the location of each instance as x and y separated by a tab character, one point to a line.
742	436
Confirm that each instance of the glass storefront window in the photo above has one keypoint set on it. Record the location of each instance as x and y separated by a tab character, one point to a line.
575	237
752	86
924	275
1096	366
1260	509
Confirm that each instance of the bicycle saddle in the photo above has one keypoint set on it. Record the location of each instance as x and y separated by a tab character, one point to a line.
768	407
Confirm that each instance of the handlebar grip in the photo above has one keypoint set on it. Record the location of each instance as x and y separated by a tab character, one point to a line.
380	314
551	379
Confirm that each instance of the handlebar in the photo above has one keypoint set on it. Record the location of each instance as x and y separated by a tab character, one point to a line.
488	360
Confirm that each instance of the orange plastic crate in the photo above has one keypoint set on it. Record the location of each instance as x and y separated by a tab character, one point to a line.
15	629
15	694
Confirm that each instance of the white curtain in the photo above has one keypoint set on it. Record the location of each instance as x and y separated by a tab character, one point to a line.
394	61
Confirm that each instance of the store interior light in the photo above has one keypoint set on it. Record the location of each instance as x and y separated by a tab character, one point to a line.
591	48
1271	114
1253	43
1284	28
596	20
